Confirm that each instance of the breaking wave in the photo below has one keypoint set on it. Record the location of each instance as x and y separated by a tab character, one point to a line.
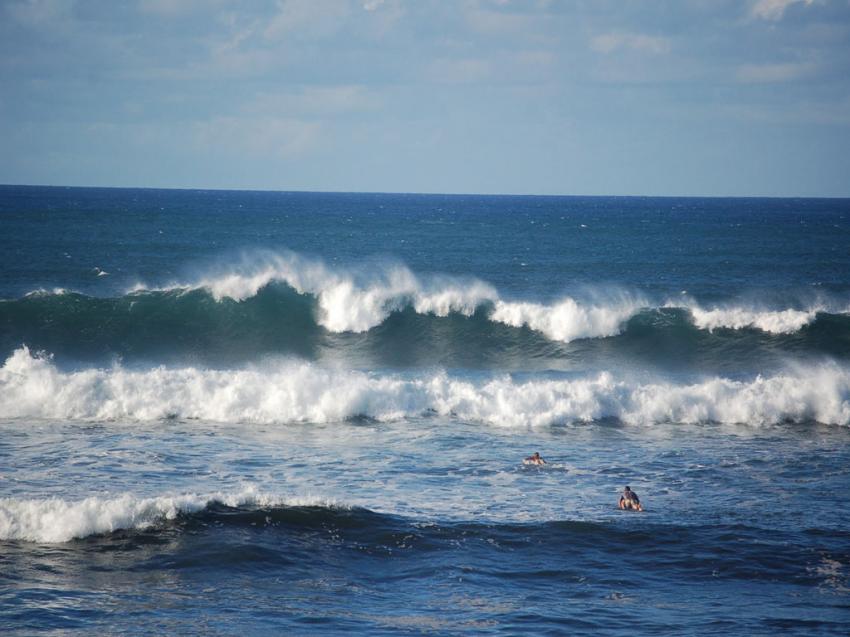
284	303
360	299
785	321
298	391
59	520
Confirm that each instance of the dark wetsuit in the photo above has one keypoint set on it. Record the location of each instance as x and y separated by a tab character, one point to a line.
629	500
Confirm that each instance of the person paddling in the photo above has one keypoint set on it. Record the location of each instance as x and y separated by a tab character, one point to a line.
630	501
534	459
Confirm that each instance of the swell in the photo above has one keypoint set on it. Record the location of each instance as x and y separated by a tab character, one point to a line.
205	529
192	325
32	386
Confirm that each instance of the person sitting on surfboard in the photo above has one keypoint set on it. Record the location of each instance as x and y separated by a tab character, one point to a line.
534	459
630	501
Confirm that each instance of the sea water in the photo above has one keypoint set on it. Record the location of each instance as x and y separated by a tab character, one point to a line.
273	413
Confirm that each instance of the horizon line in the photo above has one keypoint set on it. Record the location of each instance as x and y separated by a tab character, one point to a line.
418	193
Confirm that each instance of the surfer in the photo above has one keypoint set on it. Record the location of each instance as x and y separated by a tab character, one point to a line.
630	501
534	459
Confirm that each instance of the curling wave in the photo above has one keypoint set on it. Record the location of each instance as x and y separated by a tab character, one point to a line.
384	314
359	299
295	391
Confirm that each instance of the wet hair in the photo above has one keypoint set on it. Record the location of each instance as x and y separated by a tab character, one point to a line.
627	488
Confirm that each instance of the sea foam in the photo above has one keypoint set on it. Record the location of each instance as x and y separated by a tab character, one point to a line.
567	320
785	321
298	391
59	520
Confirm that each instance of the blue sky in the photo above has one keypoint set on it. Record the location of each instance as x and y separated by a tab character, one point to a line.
610	97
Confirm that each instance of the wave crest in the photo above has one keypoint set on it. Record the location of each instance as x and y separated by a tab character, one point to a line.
360	299
567	320
773	321
57	520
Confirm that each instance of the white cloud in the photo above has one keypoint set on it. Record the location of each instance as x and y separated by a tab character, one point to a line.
41	12
460	71
171	7
774	9
610	42
315	100
493	21
768	73
307	17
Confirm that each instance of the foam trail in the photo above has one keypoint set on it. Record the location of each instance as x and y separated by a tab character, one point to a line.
58	520
31	386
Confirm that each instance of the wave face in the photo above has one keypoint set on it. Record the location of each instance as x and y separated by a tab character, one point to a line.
382	314
31	386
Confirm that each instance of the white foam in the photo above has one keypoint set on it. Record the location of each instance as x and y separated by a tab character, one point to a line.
567	320
357	300
295	391
45	292
58	520
785	321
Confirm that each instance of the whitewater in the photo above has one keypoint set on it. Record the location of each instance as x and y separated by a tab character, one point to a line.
31	386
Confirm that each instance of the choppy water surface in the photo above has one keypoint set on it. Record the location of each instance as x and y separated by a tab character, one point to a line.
247	412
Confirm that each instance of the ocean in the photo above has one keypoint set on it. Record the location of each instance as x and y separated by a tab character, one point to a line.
236	412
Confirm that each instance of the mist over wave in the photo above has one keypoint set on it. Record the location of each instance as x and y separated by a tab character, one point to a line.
297	391
358	299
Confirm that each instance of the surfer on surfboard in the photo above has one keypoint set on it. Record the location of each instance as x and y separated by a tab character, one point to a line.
630	501
534	459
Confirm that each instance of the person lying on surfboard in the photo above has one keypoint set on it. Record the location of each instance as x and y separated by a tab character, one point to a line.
534	459
630	501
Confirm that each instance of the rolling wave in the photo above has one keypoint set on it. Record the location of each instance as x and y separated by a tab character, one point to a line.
190	325
298	391
360	299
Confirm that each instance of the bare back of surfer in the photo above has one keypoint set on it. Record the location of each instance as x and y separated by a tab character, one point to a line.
534	459
629	501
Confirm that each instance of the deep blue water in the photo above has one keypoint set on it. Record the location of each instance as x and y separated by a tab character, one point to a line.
262	412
